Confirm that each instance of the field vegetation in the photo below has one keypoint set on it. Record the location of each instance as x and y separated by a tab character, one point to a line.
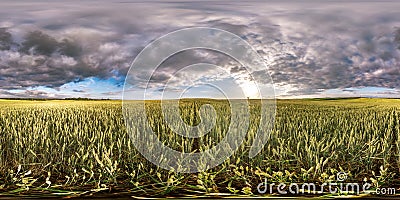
72	148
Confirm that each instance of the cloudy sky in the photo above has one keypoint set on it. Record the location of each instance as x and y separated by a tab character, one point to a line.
54	49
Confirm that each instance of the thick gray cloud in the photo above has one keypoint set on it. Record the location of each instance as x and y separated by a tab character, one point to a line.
44	60
310	46
5	39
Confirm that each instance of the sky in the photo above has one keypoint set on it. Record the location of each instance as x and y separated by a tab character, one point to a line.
64	49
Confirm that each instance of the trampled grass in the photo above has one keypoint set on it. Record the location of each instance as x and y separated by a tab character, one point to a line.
78	147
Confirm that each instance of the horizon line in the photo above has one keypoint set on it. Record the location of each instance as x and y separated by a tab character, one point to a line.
112	99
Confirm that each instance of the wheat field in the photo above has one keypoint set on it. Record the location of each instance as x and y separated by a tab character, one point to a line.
73	148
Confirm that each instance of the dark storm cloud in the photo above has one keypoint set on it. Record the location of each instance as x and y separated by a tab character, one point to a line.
397	38
38	43
43	60
310	45
5	39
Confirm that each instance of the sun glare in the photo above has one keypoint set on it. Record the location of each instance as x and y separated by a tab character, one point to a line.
250	89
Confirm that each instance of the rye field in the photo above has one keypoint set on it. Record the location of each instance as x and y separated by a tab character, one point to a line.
70	148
